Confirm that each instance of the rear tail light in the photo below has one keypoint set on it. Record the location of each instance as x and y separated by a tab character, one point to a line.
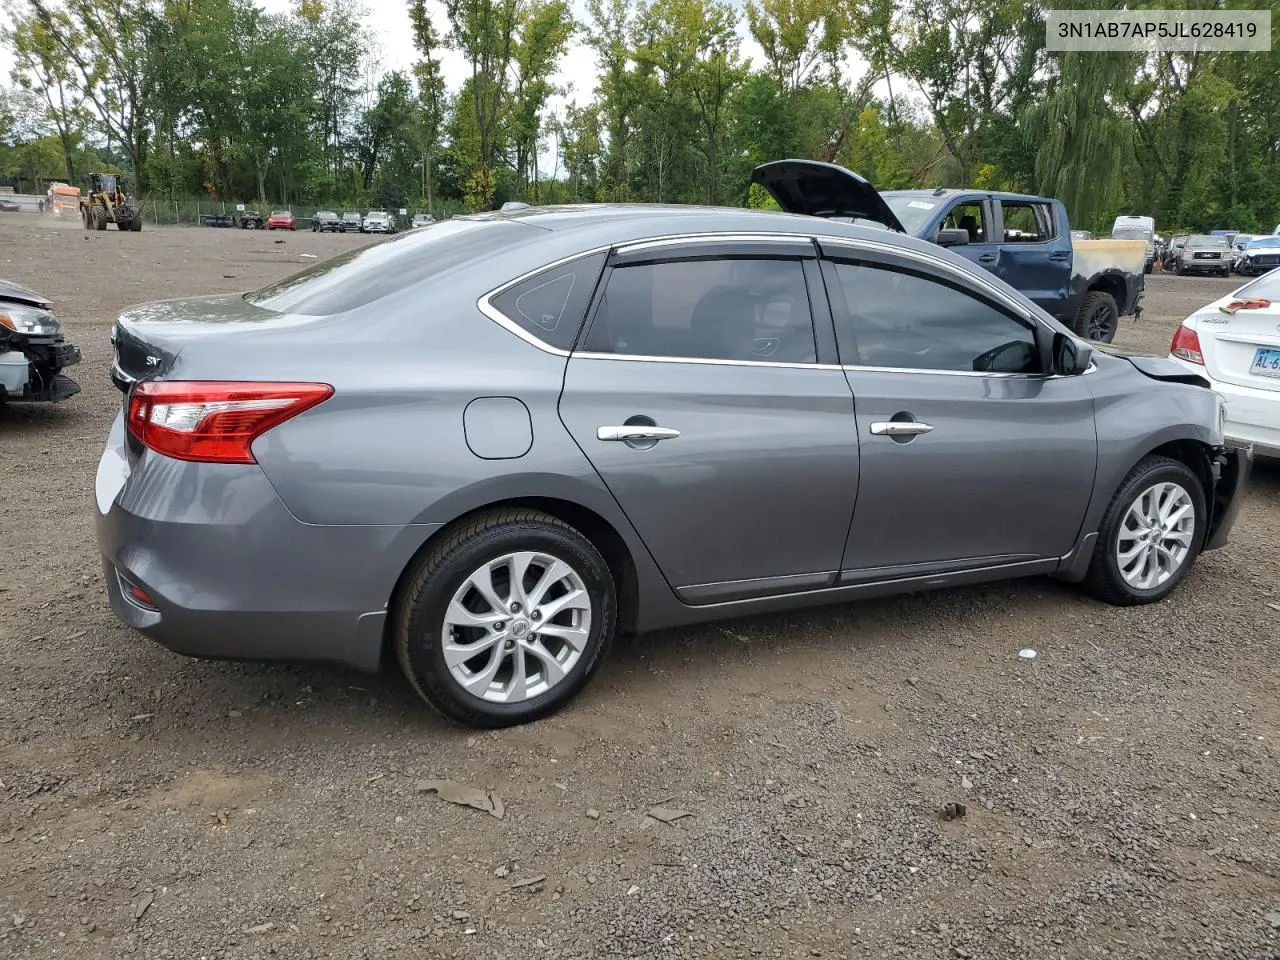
1186	346
215	421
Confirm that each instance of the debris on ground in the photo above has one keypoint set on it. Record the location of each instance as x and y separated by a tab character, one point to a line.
668	814
142	904
464	796
953	811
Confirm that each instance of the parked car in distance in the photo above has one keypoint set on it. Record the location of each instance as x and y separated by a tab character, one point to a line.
252	220
1137	228
1024	240
1259	255
378	221
422	220
754	412
1081	235
1204	254
1237	349
351	220
281	220
326	221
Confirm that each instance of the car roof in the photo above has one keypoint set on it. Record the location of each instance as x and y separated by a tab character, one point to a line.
573	229
623	223
952	192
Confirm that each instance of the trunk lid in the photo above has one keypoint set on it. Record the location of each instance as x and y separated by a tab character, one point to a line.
824	190
1241	348
148	338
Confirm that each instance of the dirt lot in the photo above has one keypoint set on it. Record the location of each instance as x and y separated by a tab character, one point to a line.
1122	789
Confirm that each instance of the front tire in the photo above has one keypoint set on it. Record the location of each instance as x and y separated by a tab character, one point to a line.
504	620
1150	535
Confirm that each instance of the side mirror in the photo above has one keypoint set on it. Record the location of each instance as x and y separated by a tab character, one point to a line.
952	237
1070	356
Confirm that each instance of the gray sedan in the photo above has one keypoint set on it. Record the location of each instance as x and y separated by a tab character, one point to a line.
486	447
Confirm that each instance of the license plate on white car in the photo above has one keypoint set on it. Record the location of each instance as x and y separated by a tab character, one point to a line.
1266	363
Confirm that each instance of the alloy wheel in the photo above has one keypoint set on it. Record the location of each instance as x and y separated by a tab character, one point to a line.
1101	325
516	627
1156	535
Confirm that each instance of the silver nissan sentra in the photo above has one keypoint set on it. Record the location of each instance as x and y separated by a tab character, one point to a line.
487	446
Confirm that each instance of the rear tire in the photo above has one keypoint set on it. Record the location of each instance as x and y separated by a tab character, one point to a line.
1132	566
1099	317
516	675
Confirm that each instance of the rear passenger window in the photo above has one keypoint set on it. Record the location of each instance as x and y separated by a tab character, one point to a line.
909	321
726	309
550	305
1026	222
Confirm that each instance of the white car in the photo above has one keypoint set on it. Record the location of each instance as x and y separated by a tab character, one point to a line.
422	220
1239	353
378	221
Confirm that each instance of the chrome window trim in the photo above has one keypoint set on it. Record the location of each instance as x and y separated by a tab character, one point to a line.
800	240
485	303
585	355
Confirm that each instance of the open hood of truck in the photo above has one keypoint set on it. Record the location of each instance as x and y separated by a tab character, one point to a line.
824	190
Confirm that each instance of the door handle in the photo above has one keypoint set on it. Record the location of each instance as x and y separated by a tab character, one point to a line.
900	428
1060	255
986	258
632	434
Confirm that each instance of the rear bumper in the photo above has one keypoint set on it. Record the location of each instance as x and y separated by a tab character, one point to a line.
232	574
1253	415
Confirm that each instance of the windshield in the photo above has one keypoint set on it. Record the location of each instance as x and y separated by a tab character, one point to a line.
351	216
1259	243
912	211
1131	233
366	274
376	216
1219	242
281	213
325	215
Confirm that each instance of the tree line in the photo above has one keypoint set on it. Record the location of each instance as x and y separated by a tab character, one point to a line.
217	99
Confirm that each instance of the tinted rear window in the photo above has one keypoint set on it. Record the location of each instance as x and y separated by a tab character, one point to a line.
365	274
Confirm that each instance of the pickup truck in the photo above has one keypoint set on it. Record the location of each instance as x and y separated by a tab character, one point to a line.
1087	285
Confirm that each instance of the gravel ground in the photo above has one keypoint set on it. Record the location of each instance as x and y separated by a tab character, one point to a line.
1121	789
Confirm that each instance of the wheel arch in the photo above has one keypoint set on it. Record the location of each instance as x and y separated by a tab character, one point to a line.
1112	282
601	533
